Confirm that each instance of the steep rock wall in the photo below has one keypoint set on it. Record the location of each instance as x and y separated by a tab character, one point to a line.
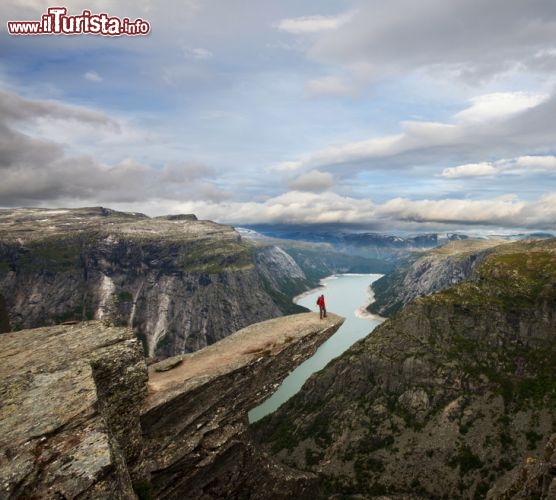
181	284
423	274
71	397
281	275
79	420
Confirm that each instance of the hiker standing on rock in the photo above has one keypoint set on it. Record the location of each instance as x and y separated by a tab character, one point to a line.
322	306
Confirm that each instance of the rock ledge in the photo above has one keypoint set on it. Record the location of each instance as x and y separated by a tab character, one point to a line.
77	421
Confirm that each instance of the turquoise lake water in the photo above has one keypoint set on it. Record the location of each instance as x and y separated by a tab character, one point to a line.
346	295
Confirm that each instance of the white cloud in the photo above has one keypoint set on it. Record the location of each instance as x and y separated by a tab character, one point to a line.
498	211
313	181
286	166
474	41
296	207
38	167
524	123
521	165
184	172
546	52
498	106
247	76
292	207
313	24
470	170
15	108
92	76
543	163
415	135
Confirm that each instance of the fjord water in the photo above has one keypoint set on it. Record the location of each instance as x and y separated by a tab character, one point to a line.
346	295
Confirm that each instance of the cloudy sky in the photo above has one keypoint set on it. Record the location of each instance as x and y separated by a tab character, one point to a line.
401	114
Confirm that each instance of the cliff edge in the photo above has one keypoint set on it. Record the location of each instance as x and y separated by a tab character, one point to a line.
194	419
71	396
82	417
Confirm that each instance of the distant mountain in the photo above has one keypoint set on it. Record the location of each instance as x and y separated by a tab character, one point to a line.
428	272
390	249
341	237
318	259
383	248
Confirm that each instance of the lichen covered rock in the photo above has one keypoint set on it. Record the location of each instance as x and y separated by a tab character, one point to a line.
70	412
77	422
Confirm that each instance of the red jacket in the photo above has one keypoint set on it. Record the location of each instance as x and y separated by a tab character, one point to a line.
320	302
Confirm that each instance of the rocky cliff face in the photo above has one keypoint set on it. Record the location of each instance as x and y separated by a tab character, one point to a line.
181	284
318	259
282	277
443	399
79	420
433	271
534	478
197	439
71	397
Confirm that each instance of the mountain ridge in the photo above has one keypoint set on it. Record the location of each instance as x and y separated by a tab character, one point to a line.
179	282
424	273
443	399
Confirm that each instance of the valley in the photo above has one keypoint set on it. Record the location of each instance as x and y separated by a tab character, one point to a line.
453	394
451	397
180	283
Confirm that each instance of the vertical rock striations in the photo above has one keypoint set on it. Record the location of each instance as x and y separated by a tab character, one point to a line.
281	276
433	271
181	284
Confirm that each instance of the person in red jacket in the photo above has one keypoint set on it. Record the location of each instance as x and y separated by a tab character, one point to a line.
322	306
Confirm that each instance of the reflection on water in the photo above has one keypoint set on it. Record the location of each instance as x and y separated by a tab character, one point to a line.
346	295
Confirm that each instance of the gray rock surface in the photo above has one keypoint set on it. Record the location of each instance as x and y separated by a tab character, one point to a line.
534	478
80	420
181	284
429	272
71	397
197	438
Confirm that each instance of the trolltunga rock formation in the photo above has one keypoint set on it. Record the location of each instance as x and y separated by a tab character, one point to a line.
80	418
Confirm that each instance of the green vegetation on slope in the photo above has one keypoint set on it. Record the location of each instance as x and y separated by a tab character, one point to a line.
441	400
208	257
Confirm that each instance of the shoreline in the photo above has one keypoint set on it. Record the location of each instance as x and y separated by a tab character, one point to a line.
305	294
360	312
312	290
358	325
